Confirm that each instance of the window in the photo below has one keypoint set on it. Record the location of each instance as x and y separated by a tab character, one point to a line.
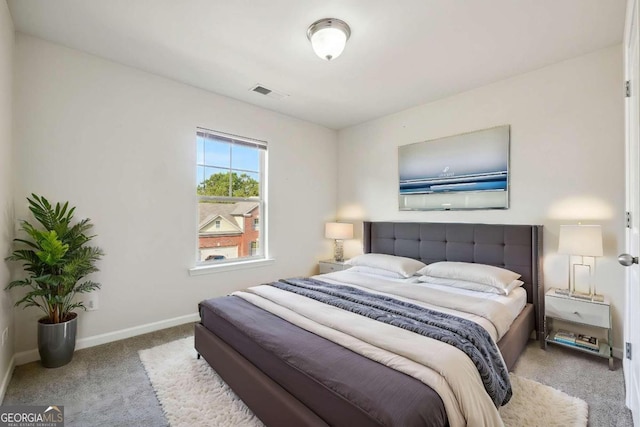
230	186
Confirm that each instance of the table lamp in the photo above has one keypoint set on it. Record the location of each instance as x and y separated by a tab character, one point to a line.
338	231
582	241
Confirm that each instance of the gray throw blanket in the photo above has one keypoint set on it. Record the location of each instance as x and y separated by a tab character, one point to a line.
463	334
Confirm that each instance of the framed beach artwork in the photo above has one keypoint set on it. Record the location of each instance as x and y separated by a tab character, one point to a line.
467	171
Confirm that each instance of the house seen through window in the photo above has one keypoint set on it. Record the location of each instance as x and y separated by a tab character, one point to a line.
230	179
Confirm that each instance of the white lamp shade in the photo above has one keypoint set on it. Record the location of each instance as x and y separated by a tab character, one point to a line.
584	240
338	230
328	43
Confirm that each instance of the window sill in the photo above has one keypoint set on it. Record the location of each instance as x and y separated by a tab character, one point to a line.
219	268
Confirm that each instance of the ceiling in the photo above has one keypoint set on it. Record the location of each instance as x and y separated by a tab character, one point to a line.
401	53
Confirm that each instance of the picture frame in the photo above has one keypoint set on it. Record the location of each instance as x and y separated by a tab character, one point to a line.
459	172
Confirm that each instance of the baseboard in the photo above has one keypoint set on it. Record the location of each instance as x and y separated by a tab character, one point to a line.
7	378
32	355
617	353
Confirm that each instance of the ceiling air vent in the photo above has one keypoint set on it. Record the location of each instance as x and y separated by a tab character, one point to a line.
261	89
268	92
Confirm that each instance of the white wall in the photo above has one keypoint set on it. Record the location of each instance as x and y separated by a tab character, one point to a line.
6	192
119	144
567	159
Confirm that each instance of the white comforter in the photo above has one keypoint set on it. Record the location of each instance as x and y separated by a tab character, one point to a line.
444	368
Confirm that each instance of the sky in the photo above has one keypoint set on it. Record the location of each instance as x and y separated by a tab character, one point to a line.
215	157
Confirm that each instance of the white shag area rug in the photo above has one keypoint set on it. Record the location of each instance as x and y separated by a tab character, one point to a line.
192	394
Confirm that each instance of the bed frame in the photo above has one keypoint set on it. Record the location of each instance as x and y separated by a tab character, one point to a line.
515	247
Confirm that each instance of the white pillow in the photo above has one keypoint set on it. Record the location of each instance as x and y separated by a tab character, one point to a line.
407	267
376	272
472	286
471	272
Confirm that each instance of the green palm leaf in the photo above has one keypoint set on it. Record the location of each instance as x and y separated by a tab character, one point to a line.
56	257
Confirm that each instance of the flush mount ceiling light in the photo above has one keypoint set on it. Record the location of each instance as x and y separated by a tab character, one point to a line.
328	37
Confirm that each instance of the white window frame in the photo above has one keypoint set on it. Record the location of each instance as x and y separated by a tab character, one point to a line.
262	258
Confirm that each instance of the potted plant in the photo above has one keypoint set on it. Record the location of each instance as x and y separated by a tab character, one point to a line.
56	258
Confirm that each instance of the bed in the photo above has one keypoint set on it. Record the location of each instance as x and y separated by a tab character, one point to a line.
274	364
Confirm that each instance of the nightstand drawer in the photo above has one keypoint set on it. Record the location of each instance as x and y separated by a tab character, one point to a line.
331	266
585	312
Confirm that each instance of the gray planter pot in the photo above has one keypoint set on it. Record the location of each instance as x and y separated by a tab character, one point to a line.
57	342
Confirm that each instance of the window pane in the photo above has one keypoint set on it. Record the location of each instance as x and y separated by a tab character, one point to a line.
217	153
245	158
199	175
229	171
246	184
225	230
200	151
215	183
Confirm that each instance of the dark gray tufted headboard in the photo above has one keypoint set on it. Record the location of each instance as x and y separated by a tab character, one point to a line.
514	247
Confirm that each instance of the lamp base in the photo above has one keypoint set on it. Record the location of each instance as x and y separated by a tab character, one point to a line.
581	295
338	251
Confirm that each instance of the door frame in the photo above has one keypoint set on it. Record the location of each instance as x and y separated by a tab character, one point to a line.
631	33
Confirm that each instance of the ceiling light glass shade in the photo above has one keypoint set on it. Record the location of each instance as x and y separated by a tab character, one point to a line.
328	37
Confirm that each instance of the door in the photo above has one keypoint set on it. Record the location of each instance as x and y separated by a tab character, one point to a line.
632	184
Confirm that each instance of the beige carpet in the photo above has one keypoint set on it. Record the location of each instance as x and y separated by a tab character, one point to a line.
192	394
